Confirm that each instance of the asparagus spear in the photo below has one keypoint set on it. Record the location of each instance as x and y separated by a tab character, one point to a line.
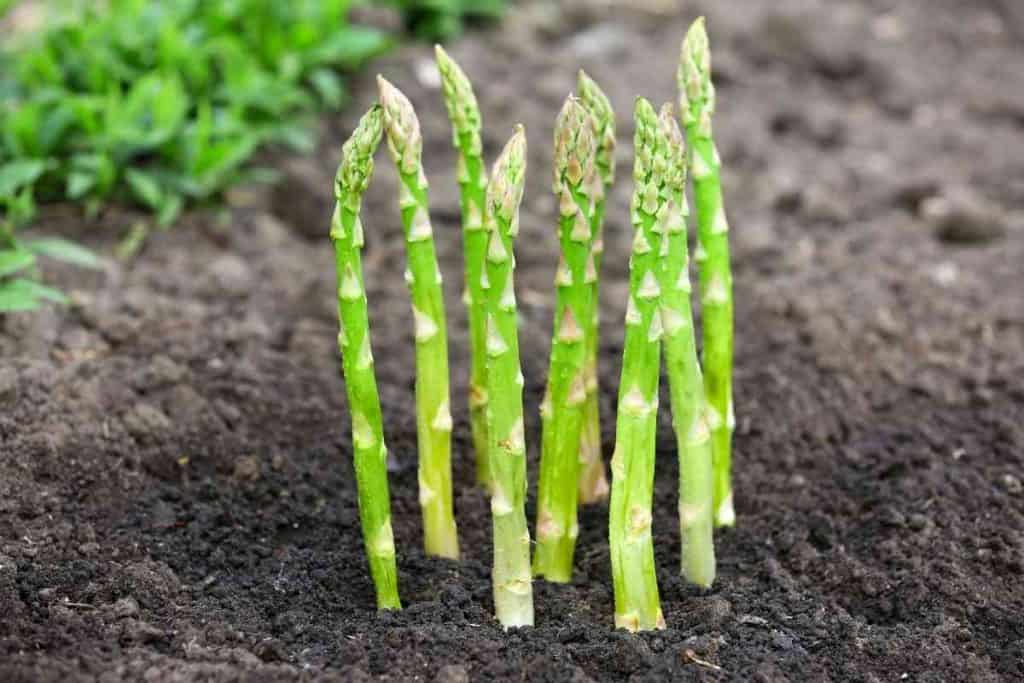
513	590
562	413
593	484
637	605
370	453
697	105
472	175
433	417
686	386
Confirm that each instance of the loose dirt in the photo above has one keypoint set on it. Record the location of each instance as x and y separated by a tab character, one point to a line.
176	494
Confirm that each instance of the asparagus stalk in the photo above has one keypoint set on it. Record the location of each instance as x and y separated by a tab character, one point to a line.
562	413
697	105
637	605
686	386
369	451
472	176
593	484
513	590
433	416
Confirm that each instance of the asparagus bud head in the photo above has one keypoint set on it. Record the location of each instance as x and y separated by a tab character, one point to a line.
460	100
405	141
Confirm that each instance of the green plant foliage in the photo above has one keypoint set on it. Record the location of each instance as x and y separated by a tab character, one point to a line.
441	19
20	289
160	104
19	286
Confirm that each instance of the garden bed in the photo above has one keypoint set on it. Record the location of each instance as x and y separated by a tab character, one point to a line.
176	493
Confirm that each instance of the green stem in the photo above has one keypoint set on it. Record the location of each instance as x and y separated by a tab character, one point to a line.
697	105
686	386
433	415
472	176
562	413
369	451
593	483
513	589
637	605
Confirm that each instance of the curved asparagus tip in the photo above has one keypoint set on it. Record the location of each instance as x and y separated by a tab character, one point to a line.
574	150
600	108
675	174
646	134
459	97
696	92
357	155
405	141
508	176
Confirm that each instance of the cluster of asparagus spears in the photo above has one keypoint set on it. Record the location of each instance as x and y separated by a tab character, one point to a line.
659	321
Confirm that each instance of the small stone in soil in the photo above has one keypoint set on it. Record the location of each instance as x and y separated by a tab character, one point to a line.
452	673
247	468
960	216
1011	484
125	607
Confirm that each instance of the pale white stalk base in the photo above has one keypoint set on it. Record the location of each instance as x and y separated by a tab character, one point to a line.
726	515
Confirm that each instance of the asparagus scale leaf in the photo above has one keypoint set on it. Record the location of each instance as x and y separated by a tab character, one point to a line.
370	453
472	177
593	483
433	414
697	105
575	181
513	588
637	605
686	385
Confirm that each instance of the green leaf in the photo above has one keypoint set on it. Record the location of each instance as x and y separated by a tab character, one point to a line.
329	87
169	210
21	207
15	175
14	299
79	183
145	188
350	48
13	260
27	295
64	250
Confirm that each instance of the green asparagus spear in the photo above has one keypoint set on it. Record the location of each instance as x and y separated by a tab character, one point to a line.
562	413
433	416
370	453
637	606
686	386
513	590
697	105
472	175
593	484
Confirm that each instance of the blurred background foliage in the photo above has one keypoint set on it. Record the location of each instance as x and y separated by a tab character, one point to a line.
441	19
161	103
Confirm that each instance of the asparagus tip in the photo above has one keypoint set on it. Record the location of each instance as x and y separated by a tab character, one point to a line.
458	95
405	141
574	145
644	110
508	176
357	155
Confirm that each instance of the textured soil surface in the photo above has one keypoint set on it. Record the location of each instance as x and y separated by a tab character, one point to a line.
176	495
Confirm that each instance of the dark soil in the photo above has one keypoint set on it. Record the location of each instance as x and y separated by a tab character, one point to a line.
176	494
